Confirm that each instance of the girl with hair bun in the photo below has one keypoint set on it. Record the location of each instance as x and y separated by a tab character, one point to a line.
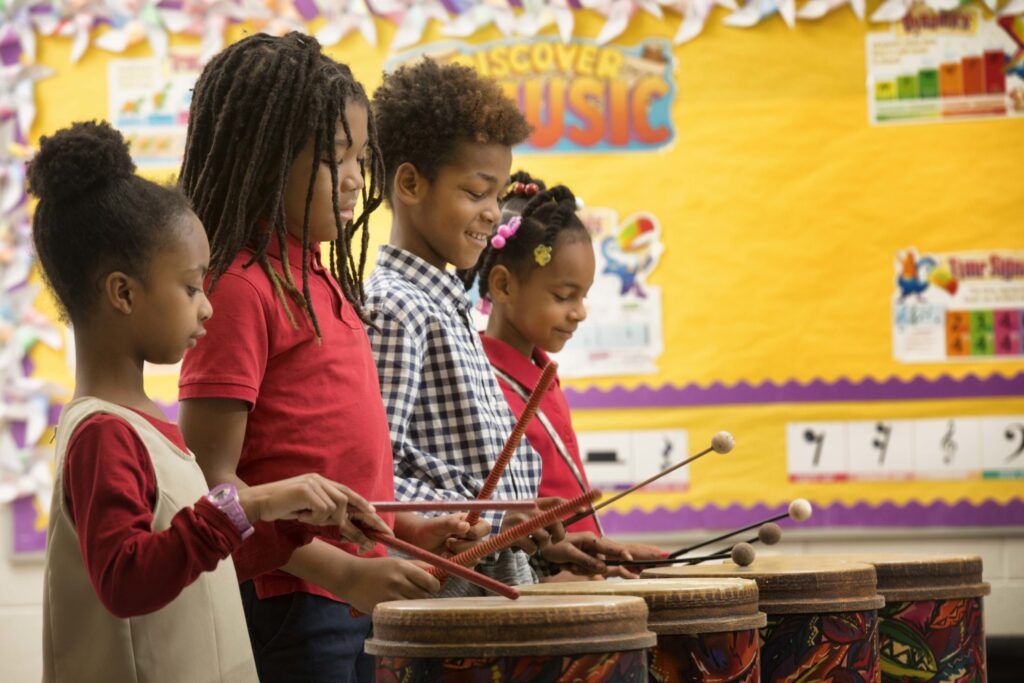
138	581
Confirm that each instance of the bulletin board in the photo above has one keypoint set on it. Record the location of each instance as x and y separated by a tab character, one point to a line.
774	244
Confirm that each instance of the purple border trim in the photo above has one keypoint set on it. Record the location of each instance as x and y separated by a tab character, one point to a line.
893	389
939	513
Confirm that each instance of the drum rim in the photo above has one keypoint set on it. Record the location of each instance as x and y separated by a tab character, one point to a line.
541	648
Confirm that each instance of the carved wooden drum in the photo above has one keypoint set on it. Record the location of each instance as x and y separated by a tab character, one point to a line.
707	628
932	626
822	616
588	638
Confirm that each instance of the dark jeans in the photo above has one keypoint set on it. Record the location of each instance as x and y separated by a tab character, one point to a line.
306	639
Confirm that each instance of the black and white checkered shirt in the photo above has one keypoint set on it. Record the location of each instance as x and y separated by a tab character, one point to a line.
448	416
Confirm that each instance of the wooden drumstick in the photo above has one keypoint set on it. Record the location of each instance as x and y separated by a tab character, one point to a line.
799	510
770	533
721	443
546	377
509	536
742	554
450	505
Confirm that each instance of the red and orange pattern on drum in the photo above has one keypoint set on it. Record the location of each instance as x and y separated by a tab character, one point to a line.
933	641
841	647
614	667
727	657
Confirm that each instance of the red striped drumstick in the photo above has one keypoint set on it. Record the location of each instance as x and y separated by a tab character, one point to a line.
546	377
506	538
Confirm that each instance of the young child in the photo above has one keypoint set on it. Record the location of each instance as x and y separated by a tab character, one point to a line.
446	137
536	272
135	583
279	153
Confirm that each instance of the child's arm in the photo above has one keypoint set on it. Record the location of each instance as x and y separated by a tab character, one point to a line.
359	581
214	429
111	488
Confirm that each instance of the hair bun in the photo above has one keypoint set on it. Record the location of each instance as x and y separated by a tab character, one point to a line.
75	160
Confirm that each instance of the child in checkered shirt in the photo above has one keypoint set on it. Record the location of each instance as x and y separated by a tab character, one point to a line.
446	137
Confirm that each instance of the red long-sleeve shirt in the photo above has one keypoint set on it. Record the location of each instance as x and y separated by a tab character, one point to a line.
110	486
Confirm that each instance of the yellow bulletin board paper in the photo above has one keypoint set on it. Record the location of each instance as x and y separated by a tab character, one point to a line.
781	210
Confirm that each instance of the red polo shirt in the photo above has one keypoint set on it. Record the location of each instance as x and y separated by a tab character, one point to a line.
556	478
314	407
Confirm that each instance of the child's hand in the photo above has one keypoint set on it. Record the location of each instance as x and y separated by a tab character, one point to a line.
380	579
540	538
315	500
446	532
581	552
638	551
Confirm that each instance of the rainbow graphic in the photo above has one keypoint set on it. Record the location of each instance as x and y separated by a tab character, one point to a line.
635	235
944	279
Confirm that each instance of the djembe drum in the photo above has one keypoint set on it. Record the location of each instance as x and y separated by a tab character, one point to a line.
822	616
707	628
932	626
536	639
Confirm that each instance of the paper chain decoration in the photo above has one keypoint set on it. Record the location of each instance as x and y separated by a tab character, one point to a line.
116	25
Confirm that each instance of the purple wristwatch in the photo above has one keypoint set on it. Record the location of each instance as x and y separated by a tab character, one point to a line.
225	498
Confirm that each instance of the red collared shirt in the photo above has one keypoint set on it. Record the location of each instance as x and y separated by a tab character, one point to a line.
314	407
557	478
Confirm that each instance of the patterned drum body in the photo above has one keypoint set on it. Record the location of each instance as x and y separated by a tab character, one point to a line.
932	626
822	616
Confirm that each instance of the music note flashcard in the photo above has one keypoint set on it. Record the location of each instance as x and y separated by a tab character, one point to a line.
616	460
607	458
655	450
881	449
947	448
817	451
1002	441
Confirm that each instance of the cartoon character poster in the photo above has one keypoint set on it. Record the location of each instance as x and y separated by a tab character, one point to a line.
623	333
958	306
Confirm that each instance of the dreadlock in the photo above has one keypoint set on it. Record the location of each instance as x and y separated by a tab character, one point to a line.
255	106
548	218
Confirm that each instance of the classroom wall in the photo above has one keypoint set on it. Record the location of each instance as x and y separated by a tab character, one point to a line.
782	211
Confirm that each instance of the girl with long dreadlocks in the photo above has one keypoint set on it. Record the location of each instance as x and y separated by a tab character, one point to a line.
280	153
536	271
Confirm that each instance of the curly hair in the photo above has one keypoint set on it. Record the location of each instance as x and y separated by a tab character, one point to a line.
255	106
425	111
94	214
548	218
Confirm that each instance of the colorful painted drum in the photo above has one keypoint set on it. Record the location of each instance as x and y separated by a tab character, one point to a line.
585	638
932	626
707	628
822	616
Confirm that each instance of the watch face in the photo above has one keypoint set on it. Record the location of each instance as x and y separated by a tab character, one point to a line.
221	494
